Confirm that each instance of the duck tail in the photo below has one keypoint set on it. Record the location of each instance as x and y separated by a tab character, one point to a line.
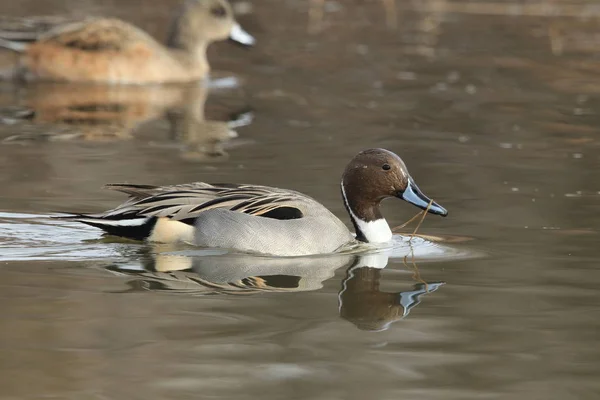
136	228
18	47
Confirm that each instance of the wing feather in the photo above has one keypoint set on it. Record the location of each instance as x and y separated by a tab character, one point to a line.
98	35
186	202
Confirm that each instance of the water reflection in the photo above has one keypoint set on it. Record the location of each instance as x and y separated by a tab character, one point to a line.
209	272
61	111
363	303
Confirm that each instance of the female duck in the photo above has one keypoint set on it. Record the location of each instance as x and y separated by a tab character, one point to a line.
113	51
264	219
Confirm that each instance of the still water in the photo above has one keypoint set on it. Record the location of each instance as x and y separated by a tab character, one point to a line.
492	105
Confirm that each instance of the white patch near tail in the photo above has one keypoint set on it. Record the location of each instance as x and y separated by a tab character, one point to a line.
14	46
112	222
167	230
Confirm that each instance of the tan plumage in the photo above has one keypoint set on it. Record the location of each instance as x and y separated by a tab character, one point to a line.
111	50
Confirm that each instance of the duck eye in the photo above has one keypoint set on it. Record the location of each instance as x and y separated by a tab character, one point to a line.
386	167
218	11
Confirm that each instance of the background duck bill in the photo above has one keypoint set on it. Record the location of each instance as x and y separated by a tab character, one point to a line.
240	36
414	196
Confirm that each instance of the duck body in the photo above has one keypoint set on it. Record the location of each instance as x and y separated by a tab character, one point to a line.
108	50
248	218
262	219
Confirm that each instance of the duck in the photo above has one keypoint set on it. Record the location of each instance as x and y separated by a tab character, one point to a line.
109	50
261	219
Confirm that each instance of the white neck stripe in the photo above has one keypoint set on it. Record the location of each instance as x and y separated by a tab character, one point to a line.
377	231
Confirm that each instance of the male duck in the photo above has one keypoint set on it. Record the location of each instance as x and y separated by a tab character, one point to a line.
264	219
113	51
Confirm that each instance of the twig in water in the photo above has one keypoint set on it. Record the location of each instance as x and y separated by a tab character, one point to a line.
420	213
407	222
421	221
416	274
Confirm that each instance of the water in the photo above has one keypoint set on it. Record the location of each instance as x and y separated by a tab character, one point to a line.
492	106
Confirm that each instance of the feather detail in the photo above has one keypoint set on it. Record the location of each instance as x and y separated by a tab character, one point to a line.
15	46
159	209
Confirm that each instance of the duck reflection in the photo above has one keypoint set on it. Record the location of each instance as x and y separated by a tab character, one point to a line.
361	301
102	112
198	137
213	273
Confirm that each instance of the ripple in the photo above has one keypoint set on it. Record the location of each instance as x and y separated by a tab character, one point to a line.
39	237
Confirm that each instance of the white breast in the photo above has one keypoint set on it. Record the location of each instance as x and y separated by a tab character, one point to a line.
377	231
374	231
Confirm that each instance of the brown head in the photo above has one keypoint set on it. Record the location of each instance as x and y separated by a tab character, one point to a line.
199	22
372	176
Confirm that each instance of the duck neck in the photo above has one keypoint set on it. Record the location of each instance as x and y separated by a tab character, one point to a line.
178	34
186	45
369	224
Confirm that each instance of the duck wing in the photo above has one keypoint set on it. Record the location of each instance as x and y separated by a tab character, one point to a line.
99	35
186	202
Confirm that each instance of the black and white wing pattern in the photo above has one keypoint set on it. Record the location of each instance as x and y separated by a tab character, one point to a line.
186	202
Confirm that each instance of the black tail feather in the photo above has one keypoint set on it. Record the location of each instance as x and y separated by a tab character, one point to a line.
134	232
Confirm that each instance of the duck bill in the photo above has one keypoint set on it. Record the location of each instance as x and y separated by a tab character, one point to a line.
240	36
414	196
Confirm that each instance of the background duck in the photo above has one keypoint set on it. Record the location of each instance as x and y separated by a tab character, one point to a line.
113	51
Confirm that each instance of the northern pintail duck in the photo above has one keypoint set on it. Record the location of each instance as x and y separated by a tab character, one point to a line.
114	51
262	219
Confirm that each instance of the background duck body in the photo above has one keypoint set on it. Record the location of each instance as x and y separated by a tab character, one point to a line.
106	50
113	51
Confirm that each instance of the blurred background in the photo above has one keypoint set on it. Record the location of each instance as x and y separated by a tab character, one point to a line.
493	105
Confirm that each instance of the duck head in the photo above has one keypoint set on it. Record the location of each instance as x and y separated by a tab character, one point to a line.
372	176
199	22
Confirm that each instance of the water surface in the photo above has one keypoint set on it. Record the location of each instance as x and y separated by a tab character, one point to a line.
492	106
